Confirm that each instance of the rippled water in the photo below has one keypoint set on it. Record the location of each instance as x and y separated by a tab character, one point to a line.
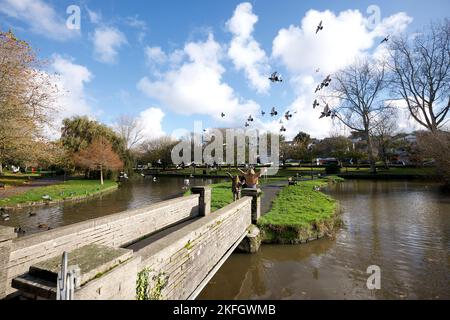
129	195
402	227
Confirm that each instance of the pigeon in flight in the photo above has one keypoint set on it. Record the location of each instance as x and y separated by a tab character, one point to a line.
326	112
273	112
250	118
281	121
319	27
222	114
317	70
315	104
288	115
263	113
282	129
275	77
318	88
385	40
246	124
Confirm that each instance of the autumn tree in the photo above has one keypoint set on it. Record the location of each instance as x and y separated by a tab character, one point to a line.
421	73
27	99
98	155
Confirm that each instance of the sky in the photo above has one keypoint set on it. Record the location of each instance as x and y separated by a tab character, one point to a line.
171	63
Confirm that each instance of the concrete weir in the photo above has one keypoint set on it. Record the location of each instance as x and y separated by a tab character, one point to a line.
169	250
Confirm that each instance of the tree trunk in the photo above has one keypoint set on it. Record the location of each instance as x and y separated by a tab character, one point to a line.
101	175
1	169
373	169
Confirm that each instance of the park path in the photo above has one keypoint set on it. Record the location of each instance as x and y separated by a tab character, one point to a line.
270	191
15	190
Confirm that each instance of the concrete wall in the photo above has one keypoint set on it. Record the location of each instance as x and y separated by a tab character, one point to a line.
184	258
114	230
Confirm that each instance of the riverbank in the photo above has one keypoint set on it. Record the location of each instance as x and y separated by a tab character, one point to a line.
394	173
300	213
70	190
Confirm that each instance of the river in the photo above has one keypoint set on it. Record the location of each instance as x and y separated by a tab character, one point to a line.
402	227
140	192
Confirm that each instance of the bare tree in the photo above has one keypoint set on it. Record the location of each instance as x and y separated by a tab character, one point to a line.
99	155
421	69
358	89
130	129
383	131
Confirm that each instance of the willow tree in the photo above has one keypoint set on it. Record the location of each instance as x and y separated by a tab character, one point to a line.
421	69
358	90
27	99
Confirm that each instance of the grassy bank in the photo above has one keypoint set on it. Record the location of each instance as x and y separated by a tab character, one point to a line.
299	214
69	190
17	179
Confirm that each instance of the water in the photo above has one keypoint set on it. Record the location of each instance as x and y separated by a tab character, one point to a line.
402	227
130	195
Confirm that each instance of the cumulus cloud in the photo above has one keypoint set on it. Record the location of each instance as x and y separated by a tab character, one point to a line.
71	79
151	122
155	55
195	84
245	51
344	38
40	16
107	41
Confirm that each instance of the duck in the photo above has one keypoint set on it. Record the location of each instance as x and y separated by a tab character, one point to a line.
32	214
46	197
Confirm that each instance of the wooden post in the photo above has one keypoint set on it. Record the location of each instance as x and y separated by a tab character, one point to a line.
256	202
7	235
204	205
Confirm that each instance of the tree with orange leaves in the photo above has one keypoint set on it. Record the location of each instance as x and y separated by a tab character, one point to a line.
99	155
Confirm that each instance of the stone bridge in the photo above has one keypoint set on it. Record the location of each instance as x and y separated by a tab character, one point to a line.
171	249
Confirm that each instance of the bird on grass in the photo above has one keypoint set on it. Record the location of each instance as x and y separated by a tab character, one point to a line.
319	27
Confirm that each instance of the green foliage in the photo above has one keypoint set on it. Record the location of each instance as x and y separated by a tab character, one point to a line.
332	168
143	289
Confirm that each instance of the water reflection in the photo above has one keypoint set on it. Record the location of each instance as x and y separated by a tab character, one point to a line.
130	195
403	227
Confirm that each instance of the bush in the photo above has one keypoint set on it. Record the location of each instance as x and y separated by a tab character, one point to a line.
332	169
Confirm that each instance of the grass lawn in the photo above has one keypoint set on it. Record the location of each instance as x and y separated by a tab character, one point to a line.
299	213
71	189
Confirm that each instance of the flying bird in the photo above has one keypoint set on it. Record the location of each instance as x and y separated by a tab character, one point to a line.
281	121
222	114
275	77
326	112
263	113
317	70
385	40
288	115
246	124
318	88
319	27
273	112
250	118
315	104
282	129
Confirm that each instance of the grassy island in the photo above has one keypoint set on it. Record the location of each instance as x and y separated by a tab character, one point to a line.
69	190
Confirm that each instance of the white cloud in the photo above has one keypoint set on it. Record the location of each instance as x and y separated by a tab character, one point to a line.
151	122
244	51
107	42
72	99
94	16
345	36
41	18
155	55
195	85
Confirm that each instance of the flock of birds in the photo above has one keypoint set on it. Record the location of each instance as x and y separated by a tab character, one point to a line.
326	112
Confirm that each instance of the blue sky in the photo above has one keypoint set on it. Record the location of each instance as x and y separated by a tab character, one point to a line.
172	62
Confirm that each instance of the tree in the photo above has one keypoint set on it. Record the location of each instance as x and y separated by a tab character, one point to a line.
358	88
383	132
156	149
79	132
130	130
99	155
421	69
437	145
27	99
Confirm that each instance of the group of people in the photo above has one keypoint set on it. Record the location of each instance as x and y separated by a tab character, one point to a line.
248	179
